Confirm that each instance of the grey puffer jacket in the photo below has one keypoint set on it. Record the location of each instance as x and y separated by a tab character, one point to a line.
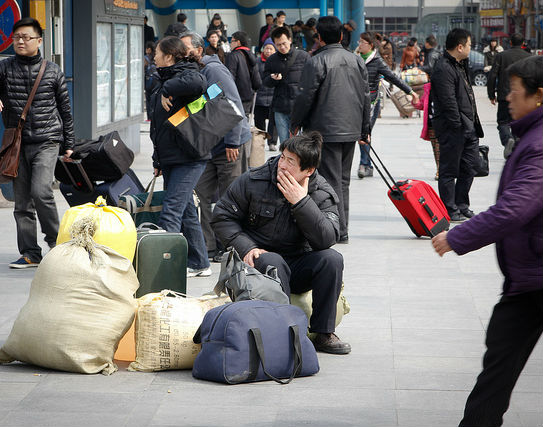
50	115
334	96
254	214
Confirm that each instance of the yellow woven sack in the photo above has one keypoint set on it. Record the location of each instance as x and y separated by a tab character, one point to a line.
116	229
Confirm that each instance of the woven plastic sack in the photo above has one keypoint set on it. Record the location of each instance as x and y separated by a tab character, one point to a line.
414	76
115	227
80	305
165	325
305	301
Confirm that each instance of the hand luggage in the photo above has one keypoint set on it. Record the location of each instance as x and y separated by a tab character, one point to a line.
161	261
482	167
402	102
417	202
106	159
145	206
112	190
254	340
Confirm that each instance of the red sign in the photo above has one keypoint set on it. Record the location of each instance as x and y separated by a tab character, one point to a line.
9	15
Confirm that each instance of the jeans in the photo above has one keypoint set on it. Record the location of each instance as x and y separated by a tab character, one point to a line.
282	123
179	213
375	110
33	191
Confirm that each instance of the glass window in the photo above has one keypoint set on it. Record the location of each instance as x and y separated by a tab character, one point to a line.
120	105
136	69
103	74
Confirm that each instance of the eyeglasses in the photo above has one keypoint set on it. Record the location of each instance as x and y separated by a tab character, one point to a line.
25	37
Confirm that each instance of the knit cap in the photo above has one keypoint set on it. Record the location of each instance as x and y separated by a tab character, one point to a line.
268	41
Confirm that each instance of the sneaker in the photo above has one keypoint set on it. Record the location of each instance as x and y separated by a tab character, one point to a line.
458	217
272	147
23	262
368	171
330	343
468	213
198	272
361	171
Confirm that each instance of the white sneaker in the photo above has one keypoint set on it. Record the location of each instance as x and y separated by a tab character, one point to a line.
199	272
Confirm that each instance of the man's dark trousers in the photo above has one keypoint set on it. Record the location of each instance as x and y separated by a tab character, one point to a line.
513	331
218	174
33	189
320	271
335	167
504	120
457	159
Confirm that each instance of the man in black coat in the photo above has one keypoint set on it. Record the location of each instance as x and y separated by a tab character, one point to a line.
242	64
265	31
456	124
283	72
334	100
284	214
499	72
48	130
431	55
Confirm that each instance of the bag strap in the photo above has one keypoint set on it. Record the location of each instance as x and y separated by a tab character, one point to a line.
33	93
151	192
260	359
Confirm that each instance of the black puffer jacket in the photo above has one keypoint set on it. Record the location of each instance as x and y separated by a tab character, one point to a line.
453	99
254	214
334	96
287	89
242	64
183	82
264	95
430	61
50	116
377	67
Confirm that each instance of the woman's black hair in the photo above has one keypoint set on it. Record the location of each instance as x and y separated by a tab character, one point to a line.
307	147
530	71
172	45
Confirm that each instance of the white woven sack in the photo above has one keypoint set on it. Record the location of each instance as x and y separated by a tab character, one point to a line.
165	325
80	305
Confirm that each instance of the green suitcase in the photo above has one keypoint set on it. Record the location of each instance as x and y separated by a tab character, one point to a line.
161	261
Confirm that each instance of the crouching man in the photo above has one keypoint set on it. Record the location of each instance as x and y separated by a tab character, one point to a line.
285	214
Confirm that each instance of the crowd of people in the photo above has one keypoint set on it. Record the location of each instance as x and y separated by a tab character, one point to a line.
320	100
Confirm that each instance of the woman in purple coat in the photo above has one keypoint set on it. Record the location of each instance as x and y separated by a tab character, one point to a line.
515	224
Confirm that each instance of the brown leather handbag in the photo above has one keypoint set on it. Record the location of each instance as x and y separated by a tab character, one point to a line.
11	141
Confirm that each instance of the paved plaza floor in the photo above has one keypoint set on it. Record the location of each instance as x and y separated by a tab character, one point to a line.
416	326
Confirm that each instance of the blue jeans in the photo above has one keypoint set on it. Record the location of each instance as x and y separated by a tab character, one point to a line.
178	211
282	123
375	110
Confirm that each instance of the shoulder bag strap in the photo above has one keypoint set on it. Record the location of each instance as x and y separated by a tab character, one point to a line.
33	93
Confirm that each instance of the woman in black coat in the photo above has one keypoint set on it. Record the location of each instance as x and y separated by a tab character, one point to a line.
368	48
180	84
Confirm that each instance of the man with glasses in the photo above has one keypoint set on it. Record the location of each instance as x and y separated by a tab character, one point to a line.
48	131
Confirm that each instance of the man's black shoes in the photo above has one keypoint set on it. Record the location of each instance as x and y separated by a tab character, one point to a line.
468	213
330	343
458	217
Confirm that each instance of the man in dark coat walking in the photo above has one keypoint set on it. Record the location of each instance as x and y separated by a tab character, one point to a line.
284	214
499	82
456	124
334	100
48	131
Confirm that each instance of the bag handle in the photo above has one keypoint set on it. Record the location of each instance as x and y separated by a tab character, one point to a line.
260	356
151	192
33	93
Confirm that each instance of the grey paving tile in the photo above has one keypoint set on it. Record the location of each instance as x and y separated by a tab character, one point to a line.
12	393
340	417
438	322
428	417
446	365
437	400
434	381
531	419
527	402
62	418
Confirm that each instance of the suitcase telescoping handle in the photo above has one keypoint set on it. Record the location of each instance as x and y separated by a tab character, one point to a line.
394	186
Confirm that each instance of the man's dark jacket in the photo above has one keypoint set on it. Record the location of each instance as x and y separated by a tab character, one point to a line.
183	82
453	98
50	116
377	67
175	29
430	60
254	214
499	70
264	95
334	96
287	89
242	64
515	222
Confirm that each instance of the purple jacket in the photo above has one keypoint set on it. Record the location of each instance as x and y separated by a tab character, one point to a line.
515	222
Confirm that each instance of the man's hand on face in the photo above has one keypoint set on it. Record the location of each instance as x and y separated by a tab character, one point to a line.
291	189
253	254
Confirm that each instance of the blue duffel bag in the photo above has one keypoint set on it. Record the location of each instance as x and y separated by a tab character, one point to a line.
254	340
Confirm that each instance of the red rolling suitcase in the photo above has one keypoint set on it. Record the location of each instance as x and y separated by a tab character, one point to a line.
418	203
